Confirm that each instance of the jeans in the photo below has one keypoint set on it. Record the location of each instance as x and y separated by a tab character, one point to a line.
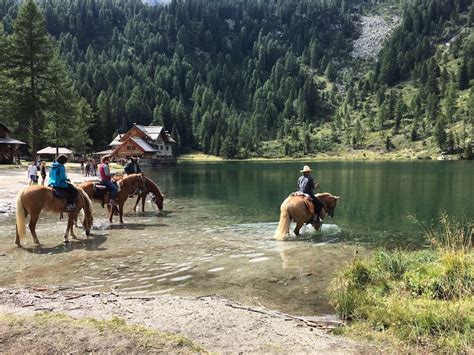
111	186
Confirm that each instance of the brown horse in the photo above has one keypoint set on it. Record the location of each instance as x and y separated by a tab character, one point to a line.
297	208
33	199
150	187
127	186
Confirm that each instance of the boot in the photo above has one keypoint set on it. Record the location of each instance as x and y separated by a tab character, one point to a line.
112	202
70	207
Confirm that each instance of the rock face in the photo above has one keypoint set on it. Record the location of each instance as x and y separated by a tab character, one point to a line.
374	31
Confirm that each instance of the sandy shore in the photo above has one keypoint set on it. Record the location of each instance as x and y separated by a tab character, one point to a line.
217	324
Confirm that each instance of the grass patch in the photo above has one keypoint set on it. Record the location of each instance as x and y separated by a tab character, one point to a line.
417	299
51	332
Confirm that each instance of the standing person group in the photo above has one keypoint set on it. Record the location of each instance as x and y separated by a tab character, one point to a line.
90	168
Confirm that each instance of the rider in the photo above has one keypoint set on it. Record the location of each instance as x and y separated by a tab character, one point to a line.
306	185
106	179
132	166
59	180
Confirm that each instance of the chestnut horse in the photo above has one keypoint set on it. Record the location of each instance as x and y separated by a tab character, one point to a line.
33	199
296	208
127	186
150	187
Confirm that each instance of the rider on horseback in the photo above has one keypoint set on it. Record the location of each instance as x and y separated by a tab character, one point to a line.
306	185
106	179
59	181
132	166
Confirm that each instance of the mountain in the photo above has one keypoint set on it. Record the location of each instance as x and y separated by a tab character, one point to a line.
284	77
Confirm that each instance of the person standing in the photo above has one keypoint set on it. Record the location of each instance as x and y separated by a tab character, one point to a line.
306	185
106	179
43	172
59	180
32	171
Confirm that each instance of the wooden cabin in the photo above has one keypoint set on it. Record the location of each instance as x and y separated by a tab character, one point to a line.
152	144
9	147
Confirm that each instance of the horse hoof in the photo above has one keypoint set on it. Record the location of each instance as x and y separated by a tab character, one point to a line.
66	242
88	233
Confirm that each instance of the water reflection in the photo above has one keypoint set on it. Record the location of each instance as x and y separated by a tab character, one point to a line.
215	234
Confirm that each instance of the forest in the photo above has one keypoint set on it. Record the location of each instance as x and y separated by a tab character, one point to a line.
236	79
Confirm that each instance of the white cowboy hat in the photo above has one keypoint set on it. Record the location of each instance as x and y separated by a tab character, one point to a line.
306	169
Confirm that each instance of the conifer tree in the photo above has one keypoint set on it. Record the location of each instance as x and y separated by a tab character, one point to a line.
30	61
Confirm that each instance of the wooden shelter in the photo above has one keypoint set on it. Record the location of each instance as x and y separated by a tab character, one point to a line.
49	153
9	147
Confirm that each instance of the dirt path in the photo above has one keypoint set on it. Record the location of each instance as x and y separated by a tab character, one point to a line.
216	324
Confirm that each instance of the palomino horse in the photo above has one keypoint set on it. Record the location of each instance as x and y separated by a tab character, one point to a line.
127	186
150	187
296	208
33	199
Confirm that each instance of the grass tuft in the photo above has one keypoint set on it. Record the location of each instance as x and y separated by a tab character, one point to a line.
421	298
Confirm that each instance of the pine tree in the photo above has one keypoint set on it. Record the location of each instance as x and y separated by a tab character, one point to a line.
30	59
463	77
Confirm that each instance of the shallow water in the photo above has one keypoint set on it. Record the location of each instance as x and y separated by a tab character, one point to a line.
215	234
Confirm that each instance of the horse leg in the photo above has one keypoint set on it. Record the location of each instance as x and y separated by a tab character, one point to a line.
298	227
120	205
73	223
143	201
136	203
111	212
32	225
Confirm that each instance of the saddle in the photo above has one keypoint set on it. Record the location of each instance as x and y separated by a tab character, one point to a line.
59	193
308	201
99	192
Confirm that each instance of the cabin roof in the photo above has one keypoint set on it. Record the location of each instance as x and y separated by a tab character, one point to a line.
10	141
143	144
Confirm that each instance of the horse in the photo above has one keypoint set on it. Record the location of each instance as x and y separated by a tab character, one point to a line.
150	187
33	199
297	208
127	186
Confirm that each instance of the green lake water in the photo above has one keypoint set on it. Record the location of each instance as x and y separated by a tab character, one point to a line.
215	233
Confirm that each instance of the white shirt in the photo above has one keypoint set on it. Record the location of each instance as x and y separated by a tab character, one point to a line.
31	170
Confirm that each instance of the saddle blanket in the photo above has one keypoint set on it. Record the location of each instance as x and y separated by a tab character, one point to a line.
308	201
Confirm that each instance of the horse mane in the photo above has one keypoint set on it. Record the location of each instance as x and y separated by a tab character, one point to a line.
152	187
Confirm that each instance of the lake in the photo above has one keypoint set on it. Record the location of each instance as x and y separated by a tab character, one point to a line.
215	233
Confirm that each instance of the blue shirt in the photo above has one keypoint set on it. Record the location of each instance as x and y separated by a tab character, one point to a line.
57	175
306	184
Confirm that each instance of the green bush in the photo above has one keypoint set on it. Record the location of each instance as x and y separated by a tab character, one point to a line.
424	297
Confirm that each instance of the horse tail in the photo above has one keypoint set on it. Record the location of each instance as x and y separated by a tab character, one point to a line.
87	204
20	217
284	223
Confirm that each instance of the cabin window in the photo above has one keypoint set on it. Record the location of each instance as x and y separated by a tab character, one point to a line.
167	147
130	147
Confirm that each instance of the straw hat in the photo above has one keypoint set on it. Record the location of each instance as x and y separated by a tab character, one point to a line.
306	169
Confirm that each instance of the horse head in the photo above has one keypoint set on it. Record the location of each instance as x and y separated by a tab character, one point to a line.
329	201
157	197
